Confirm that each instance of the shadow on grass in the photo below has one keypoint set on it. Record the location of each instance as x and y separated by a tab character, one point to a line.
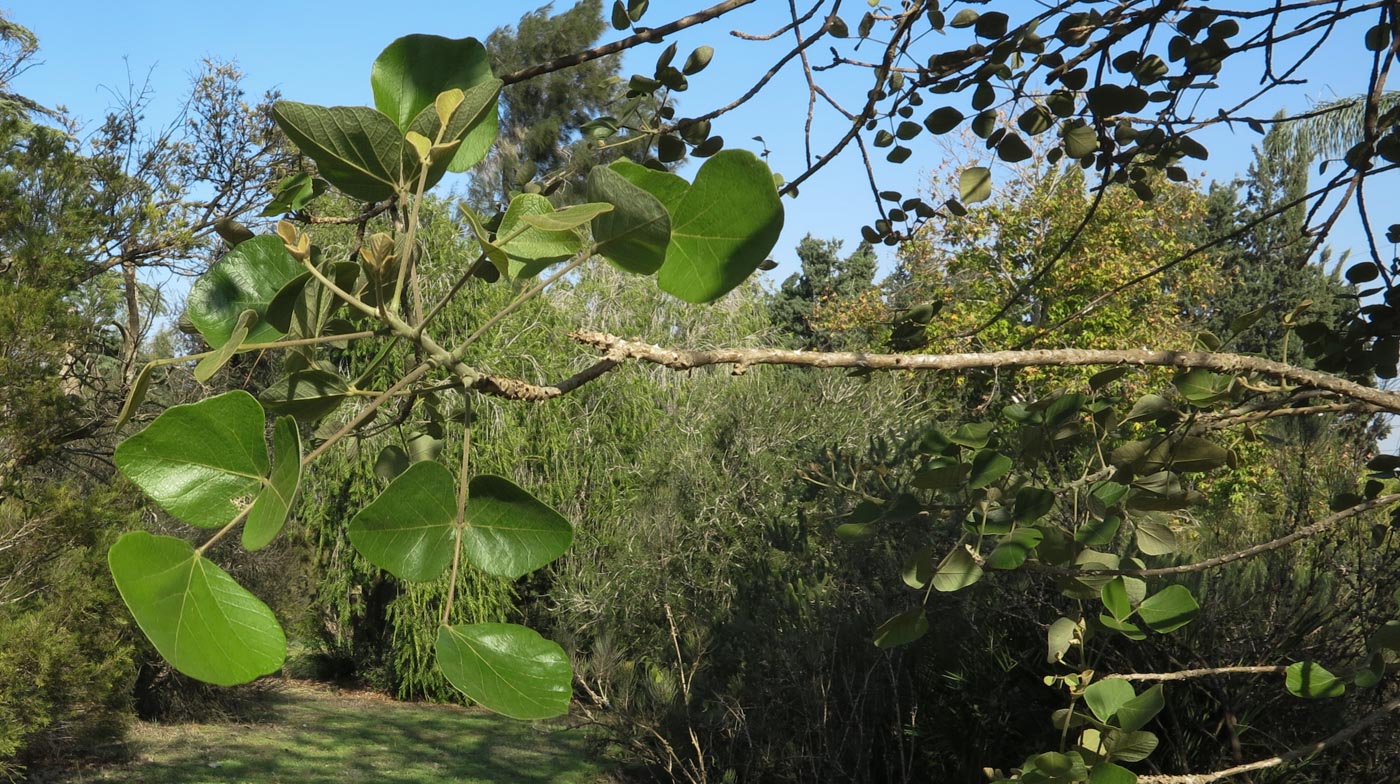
304	737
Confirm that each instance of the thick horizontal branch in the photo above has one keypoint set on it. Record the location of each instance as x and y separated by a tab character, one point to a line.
1302	752
1232	364
1186	675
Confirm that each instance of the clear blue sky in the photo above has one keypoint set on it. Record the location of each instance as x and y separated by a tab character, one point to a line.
313	53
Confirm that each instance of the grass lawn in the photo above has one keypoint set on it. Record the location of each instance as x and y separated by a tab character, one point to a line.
300	734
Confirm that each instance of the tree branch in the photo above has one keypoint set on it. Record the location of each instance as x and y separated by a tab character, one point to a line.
1371	719
644	36
1233	364
1182	675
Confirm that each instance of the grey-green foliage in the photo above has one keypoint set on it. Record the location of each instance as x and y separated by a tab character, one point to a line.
824	276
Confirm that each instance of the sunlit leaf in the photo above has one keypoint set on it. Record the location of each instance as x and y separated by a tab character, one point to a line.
246	279
408	530
411	72
510	532
274	503
1311	681
202	462
506	668
1169	609
197	617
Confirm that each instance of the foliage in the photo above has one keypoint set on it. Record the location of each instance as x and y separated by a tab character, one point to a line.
825	282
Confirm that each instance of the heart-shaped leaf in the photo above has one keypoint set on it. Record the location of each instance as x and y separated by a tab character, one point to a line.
1105	697
198	460
506	668
202	621
902	629
635	234
722	227
359	150
510	532
246	279
956	571
1169	609
1311	681
408	530
412	71
271	507
1134	714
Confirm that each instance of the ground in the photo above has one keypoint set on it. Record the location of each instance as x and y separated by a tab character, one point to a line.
304	734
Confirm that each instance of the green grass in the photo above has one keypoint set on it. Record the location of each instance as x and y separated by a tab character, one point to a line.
302	735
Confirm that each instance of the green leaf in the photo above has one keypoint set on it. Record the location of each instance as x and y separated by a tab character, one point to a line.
1081	141
1134	714
1106	696
918	569
635	234
1033	503
410	73
1155	538
533	249
567	219
902	629
956	571
1149	407
510	532
988	466
943	119
975	184
274	503
722	227
1309	680
1127	628
1108	773
1115	599
1131	746
1014	548
136	396
294	193
308	395
973	435
359	150
390	462
197	460
1098	532
1386	637
197	617
664	186
1059	639
246	279
1203	388
210	365
1169	609
408	530
506	668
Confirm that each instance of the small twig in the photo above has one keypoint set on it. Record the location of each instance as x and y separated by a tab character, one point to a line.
1182	675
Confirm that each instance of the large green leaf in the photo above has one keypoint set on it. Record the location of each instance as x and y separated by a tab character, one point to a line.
722	227
274	503
1169	609
533	249
507	668
1134	714
359	150
199	461
1105	697
202	621
664	186
510	532
902	629
634	236
957	570
1014	548
246	279
1310	680
410	73
408	530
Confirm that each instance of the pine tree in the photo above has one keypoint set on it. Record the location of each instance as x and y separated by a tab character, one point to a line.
825	276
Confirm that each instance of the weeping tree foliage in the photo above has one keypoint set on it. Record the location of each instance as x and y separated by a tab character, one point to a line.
1089	488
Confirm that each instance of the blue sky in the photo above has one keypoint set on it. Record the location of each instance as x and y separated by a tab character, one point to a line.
321	53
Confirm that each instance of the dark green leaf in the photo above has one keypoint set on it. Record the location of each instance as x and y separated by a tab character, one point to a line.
411	72
956	571
943	120
902	629
1169	609
308	395
1014	548
246	279
510	532
359	150
987	467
